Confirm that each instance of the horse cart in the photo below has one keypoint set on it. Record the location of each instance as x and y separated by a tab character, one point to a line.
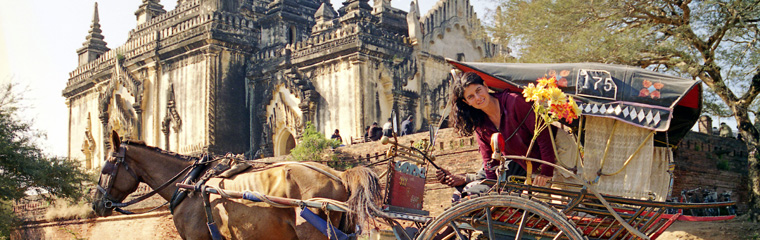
612	175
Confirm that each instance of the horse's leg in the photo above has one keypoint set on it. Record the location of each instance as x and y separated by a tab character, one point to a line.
190	219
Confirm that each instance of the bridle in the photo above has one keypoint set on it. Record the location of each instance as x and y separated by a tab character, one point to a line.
118	157
111	202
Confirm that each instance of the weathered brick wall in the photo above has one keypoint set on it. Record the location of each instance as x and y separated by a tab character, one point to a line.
697	159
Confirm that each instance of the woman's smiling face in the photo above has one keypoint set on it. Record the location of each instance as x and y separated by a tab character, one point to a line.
476	95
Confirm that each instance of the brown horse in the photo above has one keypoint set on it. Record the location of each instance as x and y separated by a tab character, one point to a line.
237	218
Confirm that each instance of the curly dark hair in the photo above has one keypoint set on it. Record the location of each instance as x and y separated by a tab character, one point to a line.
464	117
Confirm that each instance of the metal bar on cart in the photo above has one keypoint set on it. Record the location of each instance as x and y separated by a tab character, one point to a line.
280	200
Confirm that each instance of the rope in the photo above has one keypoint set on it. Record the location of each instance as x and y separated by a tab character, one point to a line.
329	231
265	199
607	148
554	147
339	204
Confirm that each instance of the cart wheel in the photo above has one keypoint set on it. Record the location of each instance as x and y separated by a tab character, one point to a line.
512	217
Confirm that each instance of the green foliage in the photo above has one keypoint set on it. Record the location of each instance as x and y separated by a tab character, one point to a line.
724	165
8	219
314	146
23	165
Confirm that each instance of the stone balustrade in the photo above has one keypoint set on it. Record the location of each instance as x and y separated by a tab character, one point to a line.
149	36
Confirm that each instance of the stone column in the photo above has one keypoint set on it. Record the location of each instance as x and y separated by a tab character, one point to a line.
212	62
705	124
360	94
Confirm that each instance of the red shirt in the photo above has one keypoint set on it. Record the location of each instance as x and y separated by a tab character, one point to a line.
513	110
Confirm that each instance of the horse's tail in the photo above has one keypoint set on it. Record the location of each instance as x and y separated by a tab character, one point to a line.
364	188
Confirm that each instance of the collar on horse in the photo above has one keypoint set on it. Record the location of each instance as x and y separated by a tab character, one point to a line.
111	202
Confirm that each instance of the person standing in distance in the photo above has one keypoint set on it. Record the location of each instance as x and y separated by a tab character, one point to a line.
407	126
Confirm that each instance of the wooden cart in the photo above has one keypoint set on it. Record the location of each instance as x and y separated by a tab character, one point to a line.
617	191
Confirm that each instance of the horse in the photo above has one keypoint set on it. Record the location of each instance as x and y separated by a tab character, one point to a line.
131	162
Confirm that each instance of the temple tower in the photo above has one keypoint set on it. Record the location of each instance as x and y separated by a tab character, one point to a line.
94	46
148	10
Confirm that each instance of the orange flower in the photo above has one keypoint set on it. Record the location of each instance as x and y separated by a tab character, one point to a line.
547	82
550	103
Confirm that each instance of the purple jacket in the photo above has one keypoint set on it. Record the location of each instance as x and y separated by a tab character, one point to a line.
514	110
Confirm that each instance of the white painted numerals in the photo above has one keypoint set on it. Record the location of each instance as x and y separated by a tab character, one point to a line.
596	83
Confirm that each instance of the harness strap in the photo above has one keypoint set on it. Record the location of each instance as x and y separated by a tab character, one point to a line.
212	228
151	193
127	212
197	168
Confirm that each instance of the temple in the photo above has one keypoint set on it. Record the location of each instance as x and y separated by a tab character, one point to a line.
245	76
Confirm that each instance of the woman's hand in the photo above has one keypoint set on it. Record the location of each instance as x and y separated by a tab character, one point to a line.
445	177
541	180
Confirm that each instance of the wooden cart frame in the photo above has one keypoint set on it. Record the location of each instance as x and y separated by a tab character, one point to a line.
513	210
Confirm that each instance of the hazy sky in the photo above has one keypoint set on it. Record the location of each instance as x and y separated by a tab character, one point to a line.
38	43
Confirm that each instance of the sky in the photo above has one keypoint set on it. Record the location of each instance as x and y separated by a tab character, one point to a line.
38	43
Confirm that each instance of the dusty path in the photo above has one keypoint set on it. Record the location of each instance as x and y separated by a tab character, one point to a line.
737	228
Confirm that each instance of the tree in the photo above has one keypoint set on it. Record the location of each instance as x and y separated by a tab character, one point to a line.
715	41
23	165
314	146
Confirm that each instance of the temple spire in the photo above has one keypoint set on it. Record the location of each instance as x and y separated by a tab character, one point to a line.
413	23
148	10
354	10
381	5
93	46
325	13
324	18
95	15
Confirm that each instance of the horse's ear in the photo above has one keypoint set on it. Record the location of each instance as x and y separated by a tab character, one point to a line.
115	141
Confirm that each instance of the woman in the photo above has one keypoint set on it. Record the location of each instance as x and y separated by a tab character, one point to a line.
474	110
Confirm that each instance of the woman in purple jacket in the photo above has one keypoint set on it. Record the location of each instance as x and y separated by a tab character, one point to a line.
475	110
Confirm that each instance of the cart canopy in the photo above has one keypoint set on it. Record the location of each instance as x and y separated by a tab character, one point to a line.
663	103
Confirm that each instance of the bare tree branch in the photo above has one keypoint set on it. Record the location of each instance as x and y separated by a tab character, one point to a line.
754	90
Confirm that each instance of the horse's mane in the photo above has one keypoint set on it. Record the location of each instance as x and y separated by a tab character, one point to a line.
140	143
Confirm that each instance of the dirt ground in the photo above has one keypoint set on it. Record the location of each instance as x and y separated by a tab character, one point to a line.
738	228
162	227
735	229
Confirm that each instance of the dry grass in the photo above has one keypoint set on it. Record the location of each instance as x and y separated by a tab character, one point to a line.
63	210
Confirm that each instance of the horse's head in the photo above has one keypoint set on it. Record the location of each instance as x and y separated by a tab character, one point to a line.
117	179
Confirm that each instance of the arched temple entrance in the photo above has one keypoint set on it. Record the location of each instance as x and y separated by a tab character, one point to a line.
284	143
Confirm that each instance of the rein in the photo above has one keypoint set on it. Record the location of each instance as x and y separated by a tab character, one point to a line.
109	201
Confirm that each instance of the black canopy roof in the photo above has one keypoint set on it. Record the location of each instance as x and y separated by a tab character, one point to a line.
667	104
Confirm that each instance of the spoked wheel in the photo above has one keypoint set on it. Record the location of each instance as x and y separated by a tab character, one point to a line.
500	217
